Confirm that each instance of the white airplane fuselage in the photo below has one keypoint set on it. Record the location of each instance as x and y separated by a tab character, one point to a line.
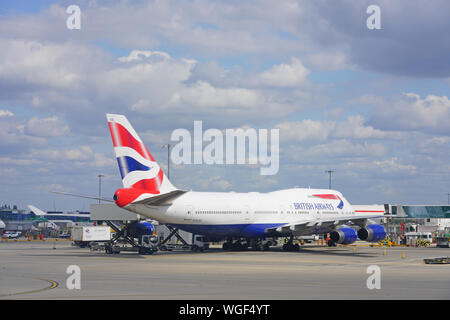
148	192
230	214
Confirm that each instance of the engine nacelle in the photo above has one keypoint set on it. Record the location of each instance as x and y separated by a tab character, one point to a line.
372	233
344	236
138	229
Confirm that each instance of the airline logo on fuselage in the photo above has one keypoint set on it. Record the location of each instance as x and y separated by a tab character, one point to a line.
313	206
332	197
320	206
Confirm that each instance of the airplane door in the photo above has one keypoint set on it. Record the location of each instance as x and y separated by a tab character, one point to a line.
318	214
246	212
189	212
284	212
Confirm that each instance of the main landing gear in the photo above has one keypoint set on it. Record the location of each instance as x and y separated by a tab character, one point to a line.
331	243
247	244
290	246
237	245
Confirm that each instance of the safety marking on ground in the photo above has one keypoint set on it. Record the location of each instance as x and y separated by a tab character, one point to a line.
53	284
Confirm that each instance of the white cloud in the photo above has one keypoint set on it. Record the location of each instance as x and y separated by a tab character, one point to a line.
6	113
81	153
45	64
353	127
46	127
344	148
102	161
139	55
284	75
305	130
13	139
75	79
411	112
215	183
204	95
78	76
328	61
388	166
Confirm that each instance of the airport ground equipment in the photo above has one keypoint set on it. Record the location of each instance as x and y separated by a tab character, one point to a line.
418	239
422	243
130	234
83	236
180	240
443	242
309	239
125	237
440	260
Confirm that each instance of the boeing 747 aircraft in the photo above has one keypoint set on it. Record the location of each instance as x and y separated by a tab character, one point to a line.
243	219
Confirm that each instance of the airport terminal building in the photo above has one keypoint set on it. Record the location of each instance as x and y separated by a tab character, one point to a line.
21	220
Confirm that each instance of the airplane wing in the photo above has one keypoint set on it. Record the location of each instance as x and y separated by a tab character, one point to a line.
317	225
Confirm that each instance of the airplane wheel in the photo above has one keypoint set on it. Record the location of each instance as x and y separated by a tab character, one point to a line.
243	247
236	246
331	243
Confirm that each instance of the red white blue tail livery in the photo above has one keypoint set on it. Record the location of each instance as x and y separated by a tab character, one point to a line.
141	174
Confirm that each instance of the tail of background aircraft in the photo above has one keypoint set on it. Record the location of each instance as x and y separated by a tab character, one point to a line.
141	174
37	211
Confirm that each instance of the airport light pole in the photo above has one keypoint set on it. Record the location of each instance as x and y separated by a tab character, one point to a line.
448	199
168	157
99	187
329	181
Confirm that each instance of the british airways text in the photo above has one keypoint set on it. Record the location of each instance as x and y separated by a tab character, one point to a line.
313	206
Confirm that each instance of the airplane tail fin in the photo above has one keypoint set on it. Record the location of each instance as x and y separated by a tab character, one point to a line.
36	210
139	170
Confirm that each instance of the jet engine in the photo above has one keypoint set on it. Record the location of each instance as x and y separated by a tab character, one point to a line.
372	233
344	236
138	229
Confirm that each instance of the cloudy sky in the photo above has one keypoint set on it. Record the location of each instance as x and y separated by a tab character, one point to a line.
373	105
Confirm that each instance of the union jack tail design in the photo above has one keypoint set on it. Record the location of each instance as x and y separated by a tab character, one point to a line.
139	170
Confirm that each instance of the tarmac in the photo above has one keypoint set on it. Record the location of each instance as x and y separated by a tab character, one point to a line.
39	270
